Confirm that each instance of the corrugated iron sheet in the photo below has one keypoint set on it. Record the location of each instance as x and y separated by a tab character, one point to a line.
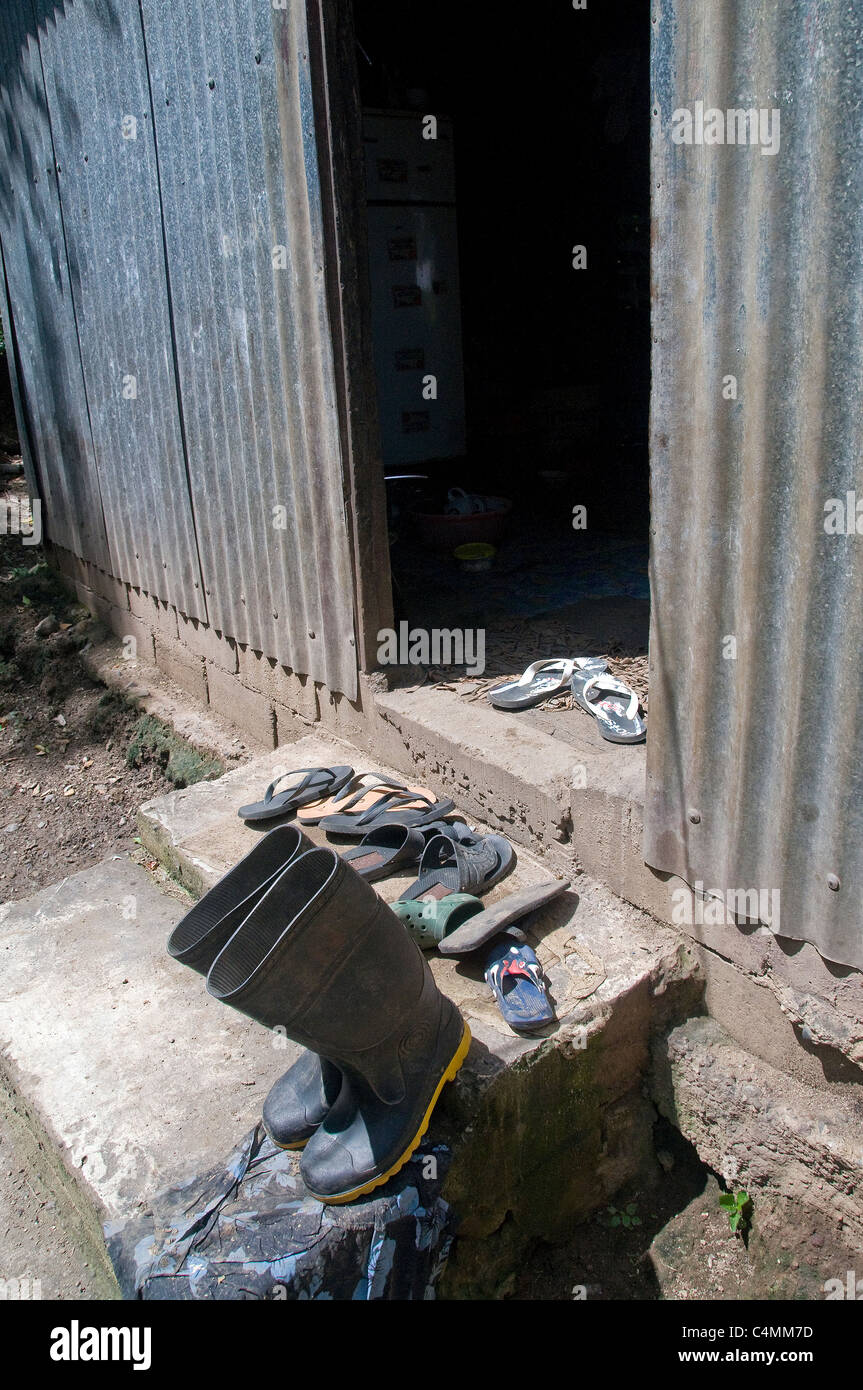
40	331
755	762
99	104
239	177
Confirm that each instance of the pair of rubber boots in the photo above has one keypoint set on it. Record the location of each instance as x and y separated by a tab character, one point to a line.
296	939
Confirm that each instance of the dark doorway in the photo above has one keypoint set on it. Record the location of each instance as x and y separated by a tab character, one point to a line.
550	134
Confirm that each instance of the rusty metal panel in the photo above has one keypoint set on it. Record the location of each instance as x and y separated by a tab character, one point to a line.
755	744
41	336
243	221
99	103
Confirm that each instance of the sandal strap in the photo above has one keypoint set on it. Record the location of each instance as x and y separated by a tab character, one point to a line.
473	861
562	664
389	803
514	966
602	682
351	794
302	786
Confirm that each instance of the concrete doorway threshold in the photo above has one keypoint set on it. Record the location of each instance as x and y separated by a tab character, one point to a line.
547	780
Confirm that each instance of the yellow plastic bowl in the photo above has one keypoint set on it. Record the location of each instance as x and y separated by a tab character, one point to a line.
475	555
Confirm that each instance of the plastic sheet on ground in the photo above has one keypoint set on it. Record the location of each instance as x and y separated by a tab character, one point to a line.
250	1230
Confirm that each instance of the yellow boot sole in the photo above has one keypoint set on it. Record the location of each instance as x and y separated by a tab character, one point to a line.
449	1075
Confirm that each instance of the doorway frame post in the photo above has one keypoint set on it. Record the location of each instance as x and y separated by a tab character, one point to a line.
338	127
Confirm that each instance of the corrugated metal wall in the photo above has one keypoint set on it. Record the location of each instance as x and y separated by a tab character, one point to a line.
98	99
755	763
40	318
239	171
186	154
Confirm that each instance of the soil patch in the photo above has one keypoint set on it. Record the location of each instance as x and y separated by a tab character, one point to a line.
668	1239
76	760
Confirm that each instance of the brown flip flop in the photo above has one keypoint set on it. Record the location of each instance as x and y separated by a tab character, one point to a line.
360	794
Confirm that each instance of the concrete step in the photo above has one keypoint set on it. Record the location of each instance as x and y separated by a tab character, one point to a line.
119	1068
797	1152
593	945
548	780
126	1078
573	800
560	1119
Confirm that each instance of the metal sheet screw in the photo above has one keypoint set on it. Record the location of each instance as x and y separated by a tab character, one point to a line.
695	817
834	883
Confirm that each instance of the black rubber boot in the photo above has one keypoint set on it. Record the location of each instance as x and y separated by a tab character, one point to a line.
199	936
361	1142
324	958
300	1099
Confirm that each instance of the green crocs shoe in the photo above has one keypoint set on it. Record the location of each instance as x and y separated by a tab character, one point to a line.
429	922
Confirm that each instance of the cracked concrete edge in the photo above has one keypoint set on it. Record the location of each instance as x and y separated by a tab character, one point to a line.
759	1128
585	1090
526	795
823	1024
816	1040
76	1209
153	693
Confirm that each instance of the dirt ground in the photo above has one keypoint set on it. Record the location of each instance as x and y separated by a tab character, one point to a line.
68	799
68	796
34	1244
615	628
76	761
678	1244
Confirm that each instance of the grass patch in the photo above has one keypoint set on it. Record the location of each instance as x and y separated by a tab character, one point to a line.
153	741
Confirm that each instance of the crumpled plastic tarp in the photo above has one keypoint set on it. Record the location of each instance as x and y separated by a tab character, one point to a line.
250	1230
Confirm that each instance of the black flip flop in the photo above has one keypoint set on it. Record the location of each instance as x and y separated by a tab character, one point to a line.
384	850
466	866
486	924
393	846
317	783
386	812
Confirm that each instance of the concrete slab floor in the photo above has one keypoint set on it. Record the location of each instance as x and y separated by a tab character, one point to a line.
137	1077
